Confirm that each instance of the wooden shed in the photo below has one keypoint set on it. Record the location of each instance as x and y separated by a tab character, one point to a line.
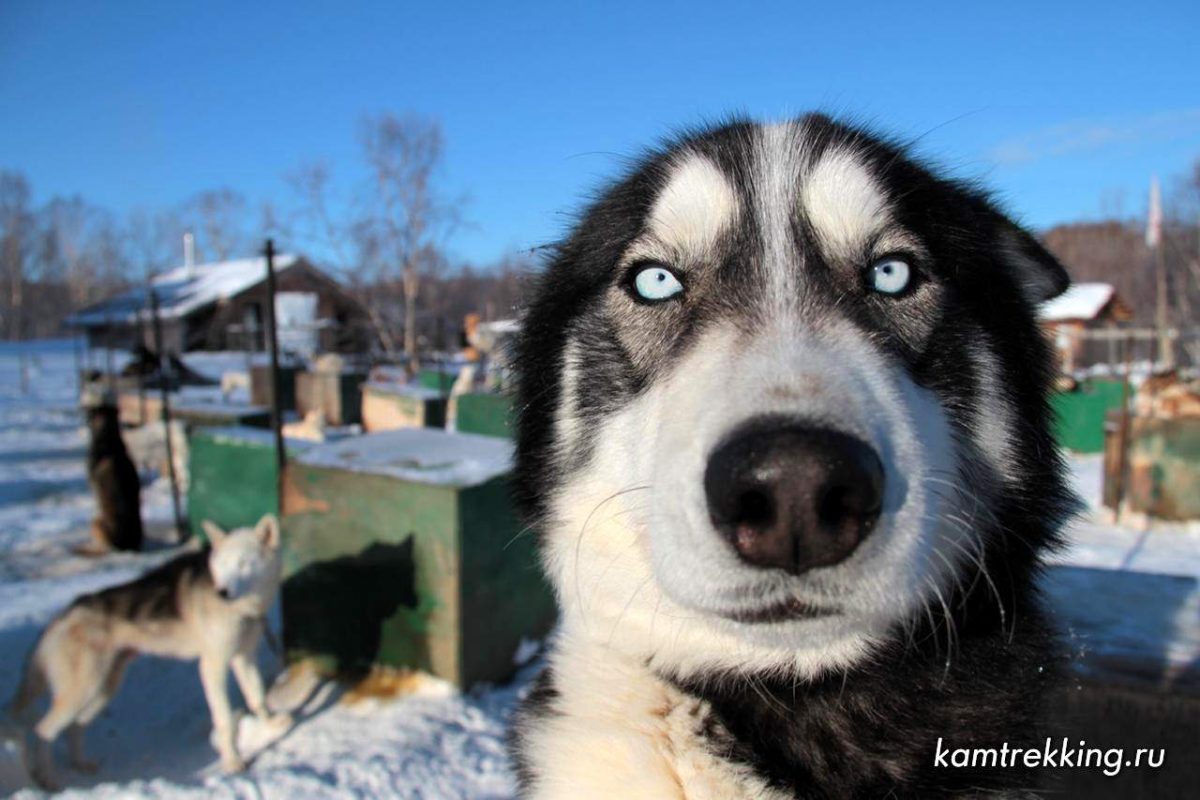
221	306
1083	307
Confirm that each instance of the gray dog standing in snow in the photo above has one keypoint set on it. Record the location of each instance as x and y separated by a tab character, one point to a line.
208	605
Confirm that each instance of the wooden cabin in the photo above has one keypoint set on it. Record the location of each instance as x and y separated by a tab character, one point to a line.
1082	308
221	306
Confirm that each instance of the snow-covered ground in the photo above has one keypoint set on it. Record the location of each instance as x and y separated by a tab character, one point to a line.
1164	548
153	739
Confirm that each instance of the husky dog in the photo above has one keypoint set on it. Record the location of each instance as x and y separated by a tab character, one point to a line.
783	428
115	483
208	605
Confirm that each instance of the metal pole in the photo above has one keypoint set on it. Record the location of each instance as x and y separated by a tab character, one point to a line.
164	395
1166	355
1124	433
108	356
78	366
441	346
276	393
141	375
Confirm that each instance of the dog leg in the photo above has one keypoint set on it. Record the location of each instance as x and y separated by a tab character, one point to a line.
62	713
75	738
248	678
212	675
101	538
41	766
92	709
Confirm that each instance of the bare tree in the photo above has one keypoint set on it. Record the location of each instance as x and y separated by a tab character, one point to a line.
326	225
406	222
16	224
81	246
1115	251
1181	240
389	235
218	219
153	242
494	291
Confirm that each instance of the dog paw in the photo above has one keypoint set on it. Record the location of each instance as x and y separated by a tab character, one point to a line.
280	722
233	764
85	766
46	782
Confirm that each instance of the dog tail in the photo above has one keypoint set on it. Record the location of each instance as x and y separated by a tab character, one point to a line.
32	686
14	725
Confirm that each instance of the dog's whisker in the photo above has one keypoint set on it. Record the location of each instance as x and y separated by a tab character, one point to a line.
950	628
587	521
616	624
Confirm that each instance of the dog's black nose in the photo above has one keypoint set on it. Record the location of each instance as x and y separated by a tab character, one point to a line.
223	594
793	496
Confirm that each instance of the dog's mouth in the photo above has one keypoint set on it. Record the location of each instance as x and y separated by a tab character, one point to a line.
783	611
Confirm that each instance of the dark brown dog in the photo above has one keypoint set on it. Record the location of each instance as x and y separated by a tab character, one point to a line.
115	483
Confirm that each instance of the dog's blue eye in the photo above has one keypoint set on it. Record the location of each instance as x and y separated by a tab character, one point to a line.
890	276
656	283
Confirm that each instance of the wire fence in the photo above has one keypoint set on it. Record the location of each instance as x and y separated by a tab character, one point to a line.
1113	348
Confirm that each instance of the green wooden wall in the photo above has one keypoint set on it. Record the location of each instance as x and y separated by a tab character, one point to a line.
370	572
485	414
1079	415
1164	462
385	571
231	477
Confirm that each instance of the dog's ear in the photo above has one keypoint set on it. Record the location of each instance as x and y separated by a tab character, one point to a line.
1039	274
268	530
213	532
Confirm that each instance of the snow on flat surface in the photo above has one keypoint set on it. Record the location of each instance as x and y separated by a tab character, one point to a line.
1164	547
1134	616
153	739
188	404
1080	302
260	437
421	455
405	389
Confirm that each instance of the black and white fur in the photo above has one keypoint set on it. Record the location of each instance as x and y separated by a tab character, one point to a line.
656	685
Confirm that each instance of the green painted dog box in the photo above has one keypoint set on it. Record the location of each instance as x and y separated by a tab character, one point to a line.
388	407
204	413
485	413
1079	414
1164	467
438	378
403	549
232	476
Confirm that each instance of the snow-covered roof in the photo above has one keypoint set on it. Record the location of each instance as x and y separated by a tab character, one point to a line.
403	389
501	326
1080	302
419	455
182	290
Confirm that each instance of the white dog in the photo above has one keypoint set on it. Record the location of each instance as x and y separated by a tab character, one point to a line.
208	605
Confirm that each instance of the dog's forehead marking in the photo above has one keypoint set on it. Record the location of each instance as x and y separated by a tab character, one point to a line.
696	205
844	203
780	155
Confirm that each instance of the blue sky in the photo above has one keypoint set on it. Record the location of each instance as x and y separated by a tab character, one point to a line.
1065	108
